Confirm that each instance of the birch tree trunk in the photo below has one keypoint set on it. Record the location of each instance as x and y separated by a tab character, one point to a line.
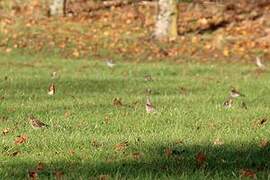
166	25
57	8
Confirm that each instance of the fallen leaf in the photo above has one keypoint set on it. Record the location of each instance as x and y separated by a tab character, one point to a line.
136	155
58	175
8	50
264	143
71	152
203	21
218	142
179	142
32	175
5	131
40	166
200	159
104	177
76	53
168	152
107	119
226	52
248	173
121	146
67	114
21	139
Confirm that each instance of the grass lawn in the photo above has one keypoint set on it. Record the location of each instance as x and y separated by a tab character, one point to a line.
191	135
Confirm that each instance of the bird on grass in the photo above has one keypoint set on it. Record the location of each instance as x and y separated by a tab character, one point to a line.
228	103
110	63
148	78
259	63
54	75
36	123
234	93
51	89
149	106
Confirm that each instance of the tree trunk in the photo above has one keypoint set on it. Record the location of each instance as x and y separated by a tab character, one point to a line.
57	8
166	25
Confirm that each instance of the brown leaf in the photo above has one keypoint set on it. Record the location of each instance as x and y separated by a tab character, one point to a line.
40	166
107	119
168	152
200	159
248	173
121	146
32	175
71	152
264	143
67	114
8	50
5	131
136	155
21	139
226	52
179	142
58	175
76	53
104	177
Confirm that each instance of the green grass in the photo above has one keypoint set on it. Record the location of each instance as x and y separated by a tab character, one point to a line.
82	145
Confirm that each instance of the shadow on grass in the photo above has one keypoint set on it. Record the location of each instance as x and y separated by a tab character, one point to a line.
224	161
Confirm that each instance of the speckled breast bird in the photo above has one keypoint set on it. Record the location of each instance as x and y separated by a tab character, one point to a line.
36	123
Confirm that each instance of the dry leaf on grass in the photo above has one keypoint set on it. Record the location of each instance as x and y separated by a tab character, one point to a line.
67	114
58	175
33	175
104	177
21	139
40	166
248	173
200	159
136	155
168	152
5	131
263	143
121	146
